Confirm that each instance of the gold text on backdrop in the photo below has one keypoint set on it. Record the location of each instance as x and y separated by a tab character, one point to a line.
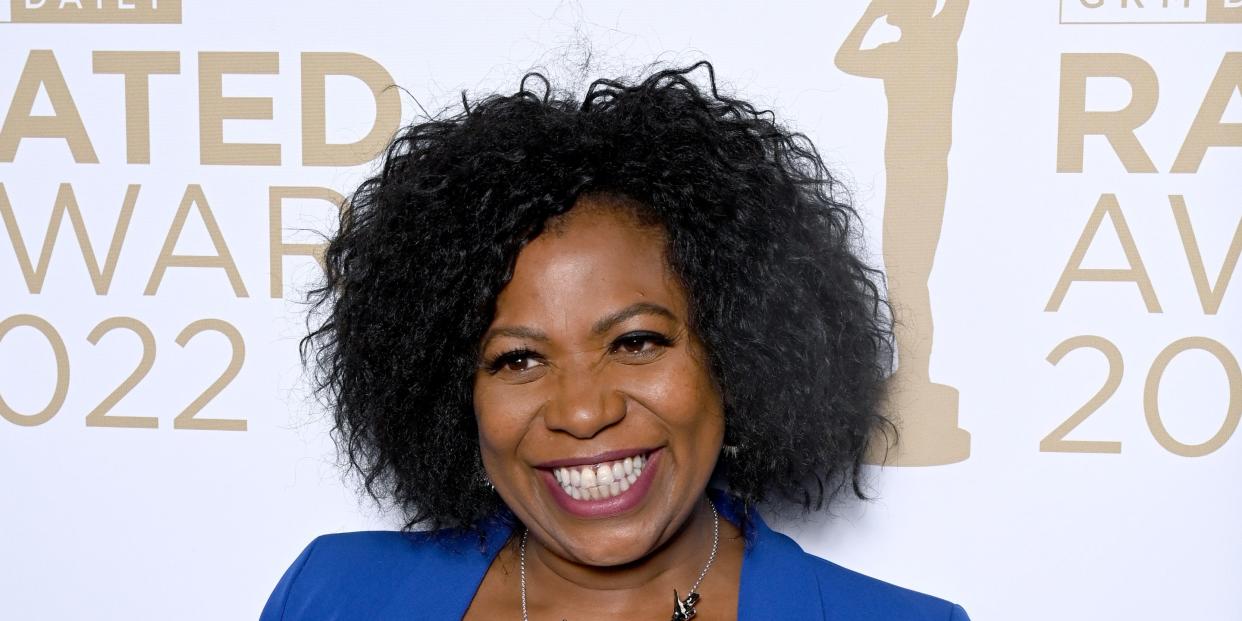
94	11
42	72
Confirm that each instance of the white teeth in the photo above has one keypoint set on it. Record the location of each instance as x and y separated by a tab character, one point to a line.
600	481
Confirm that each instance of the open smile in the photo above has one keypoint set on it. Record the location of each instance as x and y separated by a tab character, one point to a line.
613	485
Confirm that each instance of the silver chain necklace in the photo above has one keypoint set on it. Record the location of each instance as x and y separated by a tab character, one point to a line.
683	609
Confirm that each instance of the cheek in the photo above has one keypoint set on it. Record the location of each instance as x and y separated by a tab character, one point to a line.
681	394
501	419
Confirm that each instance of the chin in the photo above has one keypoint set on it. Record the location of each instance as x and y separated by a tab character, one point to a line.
612	551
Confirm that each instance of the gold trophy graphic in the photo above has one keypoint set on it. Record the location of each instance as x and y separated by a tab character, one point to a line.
920	74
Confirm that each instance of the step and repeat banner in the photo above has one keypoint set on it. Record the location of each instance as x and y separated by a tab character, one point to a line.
1071	389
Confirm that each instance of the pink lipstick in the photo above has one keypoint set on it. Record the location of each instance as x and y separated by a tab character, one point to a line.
602	485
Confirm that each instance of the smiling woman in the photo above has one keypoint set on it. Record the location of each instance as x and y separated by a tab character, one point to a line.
590	364
578	342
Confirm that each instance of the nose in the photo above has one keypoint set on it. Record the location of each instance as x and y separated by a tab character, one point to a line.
584	403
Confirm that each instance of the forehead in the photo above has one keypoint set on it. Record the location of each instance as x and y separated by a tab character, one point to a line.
599	256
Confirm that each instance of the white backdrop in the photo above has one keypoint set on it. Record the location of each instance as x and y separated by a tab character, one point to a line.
105	517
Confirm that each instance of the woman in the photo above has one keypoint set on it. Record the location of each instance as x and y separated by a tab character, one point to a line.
578	342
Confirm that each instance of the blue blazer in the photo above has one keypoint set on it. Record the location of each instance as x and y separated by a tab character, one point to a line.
388	575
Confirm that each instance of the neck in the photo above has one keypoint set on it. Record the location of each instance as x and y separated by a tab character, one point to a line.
675	564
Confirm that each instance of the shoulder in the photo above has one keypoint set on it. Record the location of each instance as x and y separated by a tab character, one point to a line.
864	597
373	574
842	593
385	551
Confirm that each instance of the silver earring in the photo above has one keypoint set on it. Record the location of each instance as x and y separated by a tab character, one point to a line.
481	477
729	450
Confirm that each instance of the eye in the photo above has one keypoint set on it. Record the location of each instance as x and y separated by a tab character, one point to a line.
640	344
518	360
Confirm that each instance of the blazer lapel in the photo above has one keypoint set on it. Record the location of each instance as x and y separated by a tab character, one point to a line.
776	583
444	587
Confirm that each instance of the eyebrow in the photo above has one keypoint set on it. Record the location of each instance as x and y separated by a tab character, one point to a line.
638	308
604	324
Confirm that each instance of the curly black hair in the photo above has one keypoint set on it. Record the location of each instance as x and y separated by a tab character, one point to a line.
760	234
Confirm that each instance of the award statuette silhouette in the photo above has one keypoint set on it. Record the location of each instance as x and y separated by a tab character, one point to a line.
920	74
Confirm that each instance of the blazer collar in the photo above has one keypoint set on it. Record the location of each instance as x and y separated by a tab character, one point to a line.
775	581
445	589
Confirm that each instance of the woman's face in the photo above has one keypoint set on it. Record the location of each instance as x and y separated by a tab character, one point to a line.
599	423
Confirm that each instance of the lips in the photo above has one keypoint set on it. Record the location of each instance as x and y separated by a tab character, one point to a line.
615	483
600	481
594	459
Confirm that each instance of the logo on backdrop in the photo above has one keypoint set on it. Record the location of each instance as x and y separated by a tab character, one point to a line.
1207	135
130	75
91	12
1150	12
919	71
919	77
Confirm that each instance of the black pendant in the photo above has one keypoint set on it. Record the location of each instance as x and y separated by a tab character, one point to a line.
683	609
